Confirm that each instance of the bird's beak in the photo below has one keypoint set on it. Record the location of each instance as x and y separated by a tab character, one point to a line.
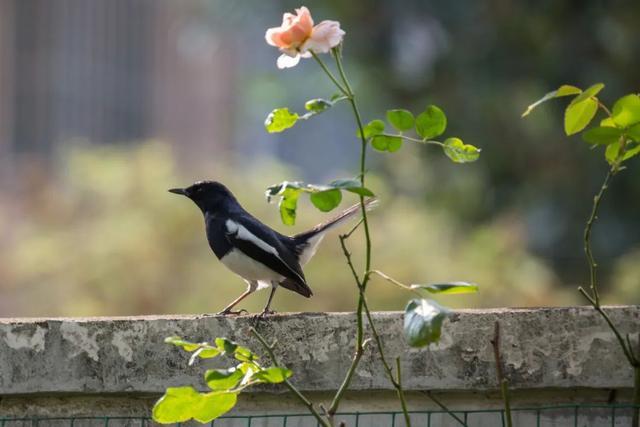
180	191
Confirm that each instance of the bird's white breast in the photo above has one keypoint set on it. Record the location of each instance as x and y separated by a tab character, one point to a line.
248	268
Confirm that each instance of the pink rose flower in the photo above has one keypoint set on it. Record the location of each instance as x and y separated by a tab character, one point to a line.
297	37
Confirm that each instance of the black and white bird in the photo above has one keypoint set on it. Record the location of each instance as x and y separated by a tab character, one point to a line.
260	255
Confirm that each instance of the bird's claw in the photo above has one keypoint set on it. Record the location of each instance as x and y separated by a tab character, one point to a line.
263	314
232	313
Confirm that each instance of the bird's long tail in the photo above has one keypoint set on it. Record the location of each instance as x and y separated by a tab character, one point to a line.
306	243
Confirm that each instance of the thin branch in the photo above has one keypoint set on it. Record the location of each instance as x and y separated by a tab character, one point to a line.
347	255
269	349
363	161
594	298
403	401
636	397
361	283
355	227
396	383
593	281
359	336
416	140
604	107
444	408
628	352
330	75
502	381
633	354
393	281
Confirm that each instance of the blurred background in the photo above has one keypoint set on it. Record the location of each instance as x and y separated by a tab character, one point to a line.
104	105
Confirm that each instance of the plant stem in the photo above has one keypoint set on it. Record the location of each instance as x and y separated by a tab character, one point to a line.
636	397
363	162
359	351
362	286
594	297
502	381
416	140
329	74
403	401
394	281
593	282
359	337
396	383
269	349
360	282
604	107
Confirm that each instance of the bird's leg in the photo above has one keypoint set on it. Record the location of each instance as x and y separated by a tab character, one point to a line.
252	287
266	310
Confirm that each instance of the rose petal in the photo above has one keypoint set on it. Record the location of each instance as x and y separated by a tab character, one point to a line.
305	21
286	61
287	19
324	36
272	36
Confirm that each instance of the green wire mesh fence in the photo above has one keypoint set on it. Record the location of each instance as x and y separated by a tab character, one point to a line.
583	415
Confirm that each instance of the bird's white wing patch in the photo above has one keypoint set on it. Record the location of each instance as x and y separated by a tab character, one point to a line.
241	232
310	249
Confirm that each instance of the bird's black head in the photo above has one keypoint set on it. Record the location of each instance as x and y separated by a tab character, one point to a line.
210	196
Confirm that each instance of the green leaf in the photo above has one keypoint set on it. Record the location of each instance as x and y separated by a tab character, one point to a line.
626	110
608	123
243	354
612	152
279	120
352	185
186	345
448	288
588	93
431	123
602	135
226	345
386	143
317	105
273	375
564	90
204	352
176	405
631	152
460	152
289	192
200	350
223	379
213	405
326	200
578	116
634	132
324	197
180	404
374	127
402	120
423	322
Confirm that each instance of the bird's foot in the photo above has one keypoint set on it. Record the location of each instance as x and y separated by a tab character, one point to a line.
263	314
232	313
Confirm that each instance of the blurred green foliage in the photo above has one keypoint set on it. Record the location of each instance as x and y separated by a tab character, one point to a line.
104	237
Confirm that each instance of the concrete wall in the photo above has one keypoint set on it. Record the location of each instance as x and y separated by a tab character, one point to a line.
119	366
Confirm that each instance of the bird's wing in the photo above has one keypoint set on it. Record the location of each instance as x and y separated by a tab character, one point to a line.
305	244
257	242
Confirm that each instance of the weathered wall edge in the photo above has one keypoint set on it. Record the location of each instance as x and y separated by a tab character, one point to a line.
548	348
